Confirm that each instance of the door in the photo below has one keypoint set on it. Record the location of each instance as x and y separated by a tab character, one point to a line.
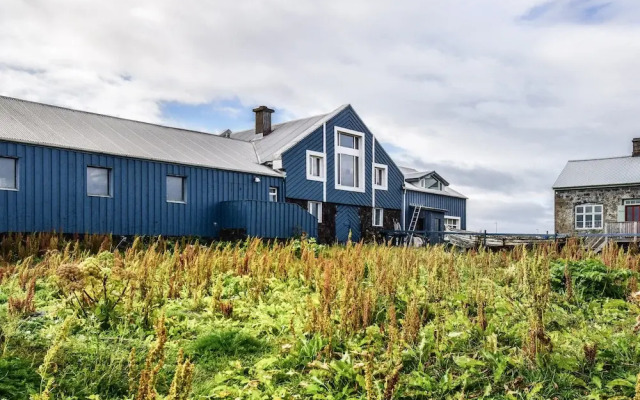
347	220
632	213
436	225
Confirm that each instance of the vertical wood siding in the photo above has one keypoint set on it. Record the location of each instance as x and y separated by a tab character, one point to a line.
456	207
285	219
52	195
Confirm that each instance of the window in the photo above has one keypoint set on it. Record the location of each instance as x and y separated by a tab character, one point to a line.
315	166
452	223
377	216
380	176
273	194
176	189
430	183
315	209
349	152
98	182
589	216
8	173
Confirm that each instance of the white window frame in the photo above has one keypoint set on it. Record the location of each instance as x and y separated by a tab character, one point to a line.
385	176
323	165
593	213
184	189
319	205
375	210
458	224
352	152
631	202
109	181
273	193
16	175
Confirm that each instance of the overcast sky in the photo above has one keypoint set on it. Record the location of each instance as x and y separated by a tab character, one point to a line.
496	95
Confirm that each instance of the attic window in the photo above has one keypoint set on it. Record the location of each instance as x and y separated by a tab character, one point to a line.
349	160
380	172
430	183
315	166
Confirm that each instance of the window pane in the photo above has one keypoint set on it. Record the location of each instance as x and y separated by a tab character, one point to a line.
175	188
579	210
8	173
347	170
273	194
98	181
588	209
598	208
352	142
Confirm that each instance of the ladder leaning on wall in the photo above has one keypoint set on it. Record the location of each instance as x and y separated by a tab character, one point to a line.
414	222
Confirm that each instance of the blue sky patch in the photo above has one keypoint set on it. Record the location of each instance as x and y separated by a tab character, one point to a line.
575	11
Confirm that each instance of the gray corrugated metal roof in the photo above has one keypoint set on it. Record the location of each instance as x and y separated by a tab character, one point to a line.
599	172
411	174
284	135
446	191
35	123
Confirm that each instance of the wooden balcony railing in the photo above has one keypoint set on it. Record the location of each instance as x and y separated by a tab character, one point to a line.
631	227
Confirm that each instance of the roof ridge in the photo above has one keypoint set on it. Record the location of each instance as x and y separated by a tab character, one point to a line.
116	117
282	123
603	158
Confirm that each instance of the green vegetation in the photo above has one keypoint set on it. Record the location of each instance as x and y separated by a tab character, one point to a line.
164	320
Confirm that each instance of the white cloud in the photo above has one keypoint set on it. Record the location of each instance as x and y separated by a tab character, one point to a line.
473	84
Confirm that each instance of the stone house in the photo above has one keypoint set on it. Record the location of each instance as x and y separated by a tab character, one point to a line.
599	195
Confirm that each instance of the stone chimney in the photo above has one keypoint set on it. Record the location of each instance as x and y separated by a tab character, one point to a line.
636	147
263	120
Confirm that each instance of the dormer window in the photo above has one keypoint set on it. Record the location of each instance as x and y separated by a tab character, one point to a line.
430	183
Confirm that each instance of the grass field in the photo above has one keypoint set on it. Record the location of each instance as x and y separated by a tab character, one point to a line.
166	320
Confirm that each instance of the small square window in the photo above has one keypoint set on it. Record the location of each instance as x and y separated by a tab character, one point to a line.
8	173
273	194
315	166
380	176
378	216
176	189
98	182
315	209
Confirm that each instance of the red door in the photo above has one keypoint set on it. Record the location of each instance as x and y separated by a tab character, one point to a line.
632	213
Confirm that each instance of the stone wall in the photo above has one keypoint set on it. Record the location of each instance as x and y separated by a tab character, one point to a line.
610	198
370	233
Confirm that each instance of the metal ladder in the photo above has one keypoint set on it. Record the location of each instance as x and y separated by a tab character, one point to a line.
414	222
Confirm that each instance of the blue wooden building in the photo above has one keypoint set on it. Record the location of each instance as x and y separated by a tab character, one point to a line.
327	176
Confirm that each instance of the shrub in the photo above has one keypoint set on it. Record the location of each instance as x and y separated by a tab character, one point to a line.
591	279
18	379
225	343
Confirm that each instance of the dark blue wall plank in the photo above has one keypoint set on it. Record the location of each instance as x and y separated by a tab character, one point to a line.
392	197
294	162
286	220
455	206
53	184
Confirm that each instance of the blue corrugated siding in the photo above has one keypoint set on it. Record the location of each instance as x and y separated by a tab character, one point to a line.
298	187
456	207
52	195
392	197
294	162
286	219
